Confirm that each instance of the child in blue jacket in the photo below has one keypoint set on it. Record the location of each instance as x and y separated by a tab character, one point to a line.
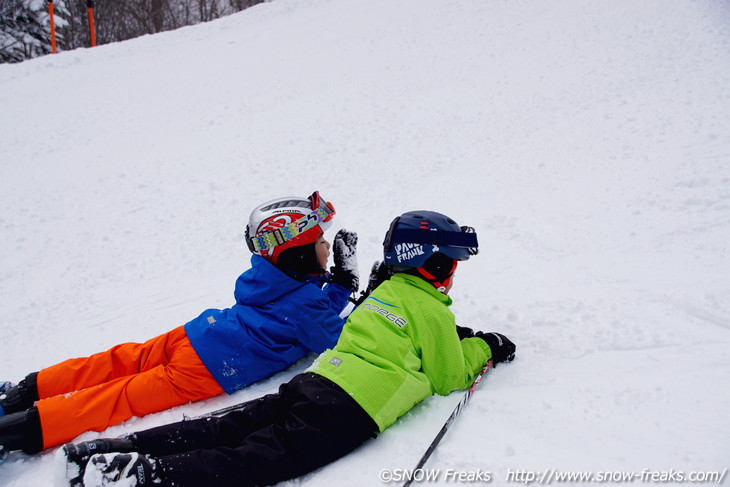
287	306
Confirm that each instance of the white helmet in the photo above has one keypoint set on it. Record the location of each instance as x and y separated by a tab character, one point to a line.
287	222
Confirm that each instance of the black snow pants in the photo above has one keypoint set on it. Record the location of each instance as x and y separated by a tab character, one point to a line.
309	423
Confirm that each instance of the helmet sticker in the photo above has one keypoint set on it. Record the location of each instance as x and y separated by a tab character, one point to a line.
407	251
274	223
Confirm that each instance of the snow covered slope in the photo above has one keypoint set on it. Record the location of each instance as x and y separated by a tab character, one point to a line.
588	142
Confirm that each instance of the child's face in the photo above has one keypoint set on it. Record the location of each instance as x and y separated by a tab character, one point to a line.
322	250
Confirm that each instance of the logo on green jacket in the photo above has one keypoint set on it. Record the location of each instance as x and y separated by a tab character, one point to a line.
390	316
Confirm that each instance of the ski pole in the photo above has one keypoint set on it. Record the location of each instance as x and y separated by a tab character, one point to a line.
218	412
451	419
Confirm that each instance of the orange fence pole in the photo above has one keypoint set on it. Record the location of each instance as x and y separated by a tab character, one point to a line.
53	27
92	32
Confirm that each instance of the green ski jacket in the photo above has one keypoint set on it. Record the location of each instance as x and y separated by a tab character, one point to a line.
399	347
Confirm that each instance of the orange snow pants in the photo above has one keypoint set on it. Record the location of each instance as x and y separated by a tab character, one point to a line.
131	379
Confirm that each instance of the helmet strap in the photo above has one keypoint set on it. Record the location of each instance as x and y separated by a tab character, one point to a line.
440	283
279	236
300	261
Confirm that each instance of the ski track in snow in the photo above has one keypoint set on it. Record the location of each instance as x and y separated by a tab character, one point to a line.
587	143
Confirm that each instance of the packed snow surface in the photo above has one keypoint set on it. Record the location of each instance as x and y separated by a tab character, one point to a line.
588	142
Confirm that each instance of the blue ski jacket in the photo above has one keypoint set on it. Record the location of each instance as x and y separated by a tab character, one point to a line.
276	321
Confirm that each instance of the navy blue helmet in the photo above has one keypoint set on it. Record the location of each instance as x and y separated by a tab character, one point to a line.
415	236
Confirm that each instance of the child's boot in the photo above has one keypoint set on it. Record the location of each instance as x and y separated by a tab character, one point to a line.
77	455
21	431
123	469
14	399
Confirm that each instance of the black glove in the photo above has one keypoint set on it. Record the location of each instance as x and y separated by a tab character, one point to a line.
379	272
344	271
129	469
464	332
78	455
503	350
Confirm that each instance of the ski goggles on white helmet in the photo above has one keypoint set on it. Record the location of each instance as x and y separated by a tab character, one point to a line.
273	224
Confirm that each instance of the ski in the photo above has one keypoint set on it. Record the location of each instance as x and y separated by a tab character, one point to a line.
452	418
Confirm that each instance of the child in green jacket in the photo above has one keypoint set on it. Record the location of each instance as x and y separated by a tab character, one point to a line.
398	347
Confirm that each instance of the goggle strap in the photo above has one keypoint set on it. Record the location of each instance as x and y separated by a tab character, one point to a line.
314	200
281	235
433	279
434	237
